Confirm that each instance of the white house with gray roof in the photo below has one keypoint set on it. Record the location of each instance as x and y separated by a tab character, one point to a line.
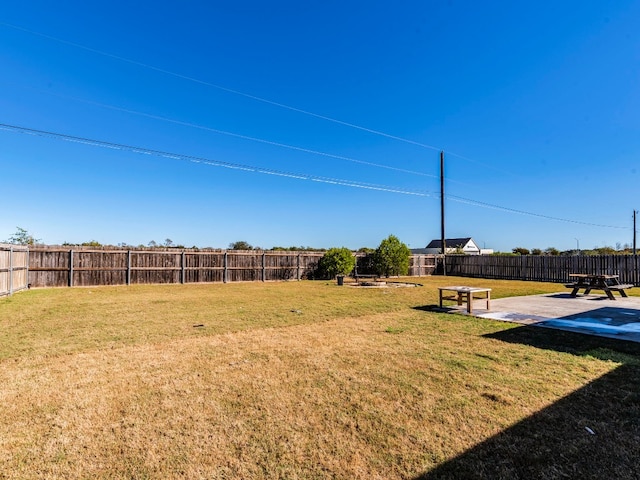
457	245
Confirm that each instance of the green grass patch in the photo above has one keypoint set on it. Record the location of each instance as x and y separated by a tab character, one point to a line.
305	380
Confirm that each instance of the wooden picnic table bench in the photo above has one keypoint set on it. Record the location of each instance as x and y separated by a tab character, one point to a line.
606	283
465	294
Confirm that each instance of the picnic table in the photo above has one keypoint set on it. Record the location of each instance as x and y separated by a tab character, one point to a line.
588	282
465	294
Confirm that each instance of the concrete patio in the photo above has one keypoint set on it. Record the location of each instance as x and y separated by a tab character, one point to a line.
589	314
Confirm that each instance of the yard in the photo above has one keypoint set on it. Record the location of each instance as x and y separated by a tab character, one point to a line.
305	380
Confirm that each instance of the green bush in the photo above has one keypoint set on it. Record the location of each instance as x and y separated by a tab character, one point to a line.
337	261
391	257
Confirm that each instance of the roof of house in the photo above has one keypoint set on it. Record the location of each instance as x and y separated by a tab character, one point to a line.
450	242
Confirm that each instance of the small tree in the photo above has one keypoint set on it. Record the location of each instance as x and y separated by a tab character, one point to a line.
22	237
241	245
521	251
391	257
337	261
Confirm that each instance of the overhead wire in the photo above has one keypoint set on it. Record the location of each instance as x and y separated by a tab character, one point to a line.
216	163
249	96
236	135
220	87
531	214
280	105
298	176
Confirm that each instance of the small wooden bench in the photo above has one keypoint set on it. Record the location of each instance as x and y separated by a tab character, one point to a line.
465	294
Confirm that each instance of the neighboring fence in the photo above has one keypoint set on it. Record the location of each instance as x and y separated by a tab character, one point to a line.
543	268
422	265
14	264
59	267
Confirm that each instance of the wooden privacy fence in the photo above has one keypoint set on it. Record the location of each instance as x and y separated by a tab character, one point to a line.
79	267
58	267
543	268
14	264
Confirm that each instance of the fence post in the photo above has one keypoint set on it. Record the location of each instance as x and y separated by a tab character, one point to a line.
128	267
225	276
264	266
299	274
10	270
182	267
71	268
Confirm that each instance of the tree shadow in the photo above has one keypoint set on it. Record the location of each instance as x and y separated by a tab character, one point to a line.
593	433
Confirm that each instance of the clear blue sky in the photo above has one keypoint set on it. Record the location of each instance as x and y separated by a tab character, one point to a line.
535	104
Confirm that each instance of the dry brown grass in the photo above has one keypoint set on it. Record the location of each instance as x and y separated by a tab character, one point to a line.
285	380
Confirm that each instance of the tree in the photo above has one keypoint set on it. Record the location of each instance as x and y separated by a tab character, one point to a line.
536	251
391	257
241	245
168	242
552	251
521	251
91	243
22	237
337	261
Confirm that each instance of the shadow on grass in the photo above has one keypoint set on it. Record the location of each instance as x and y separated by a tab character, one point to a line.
593	433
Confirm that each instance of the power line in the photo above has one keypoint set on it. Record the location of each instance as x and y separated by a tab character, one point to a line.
236	135
215	163
249	96
220	87
522	212
298	176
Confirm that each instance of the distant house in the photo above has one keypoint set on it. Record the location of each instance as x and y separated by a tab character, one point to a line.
457	245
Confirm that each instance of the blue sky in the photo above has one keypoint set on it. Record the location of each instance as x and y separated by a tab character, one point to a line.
536	106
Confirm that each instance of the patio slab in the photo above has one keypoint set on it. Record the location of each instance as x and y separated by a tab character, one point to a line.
589	314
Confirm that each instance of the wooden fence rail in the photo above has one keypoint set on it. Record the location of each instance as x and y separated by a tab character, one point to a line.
58	267
543	268
14	263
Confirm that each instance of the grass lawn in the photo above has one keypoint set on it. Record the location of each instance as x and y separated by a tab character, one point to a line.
305	380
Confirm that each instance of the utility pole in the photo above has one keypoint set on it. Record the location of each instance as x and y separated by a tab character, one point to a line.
442	237
634	232
635	255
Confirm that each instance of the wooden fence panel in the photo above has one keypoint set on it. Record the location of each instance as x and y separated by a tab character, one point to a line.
155	267
49	268
543	268
308	264
14	264
281	266
204	267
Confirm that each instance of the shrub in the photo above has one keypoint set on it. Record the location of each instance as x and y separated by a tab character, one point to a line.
337	261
